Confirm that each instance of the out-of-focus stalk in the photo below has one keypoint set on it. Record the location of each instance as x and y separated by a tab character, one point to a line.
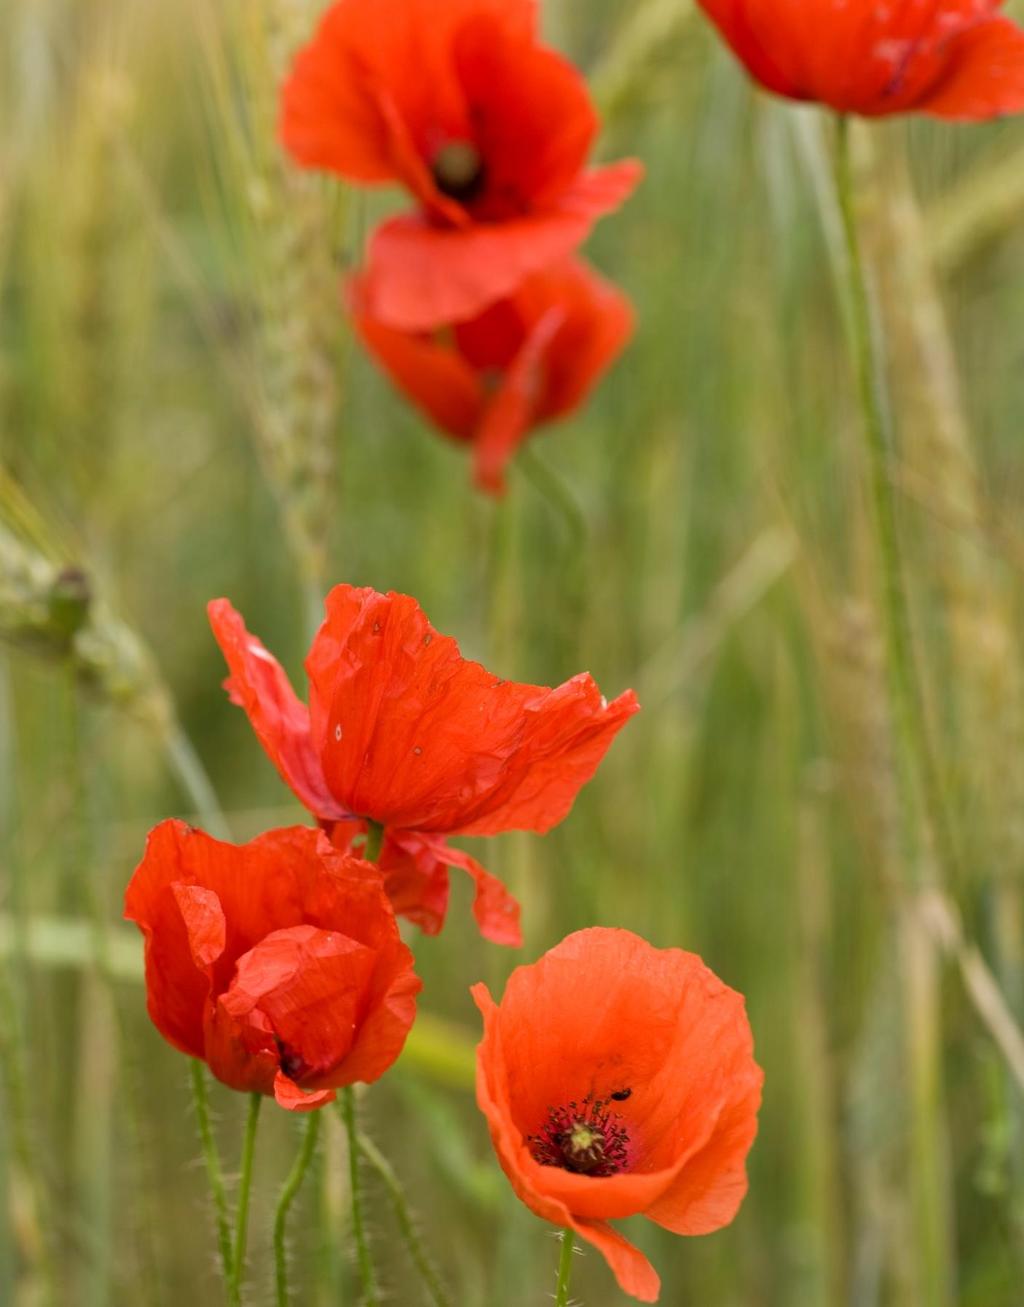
922	806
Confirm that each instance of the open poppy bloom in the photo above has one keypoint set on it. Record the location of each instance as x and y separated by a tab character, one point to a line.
490	130
278	963
619	1079
404	732
956	59
523	361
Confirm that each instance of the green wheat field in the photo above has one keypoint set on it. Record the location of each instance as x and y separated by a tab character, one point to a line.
183	414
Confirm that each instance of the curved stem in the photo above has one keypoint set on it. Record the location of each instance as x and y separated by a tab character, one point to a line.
564	1270
548	483
366	1270
288	1192
916	766
244	1193
417	1249
215	1177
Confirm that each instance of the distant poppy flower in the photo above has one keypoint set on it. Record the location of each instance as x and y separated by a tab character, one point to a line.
279	962
619	1079
954	59
489	129
523	361
402	731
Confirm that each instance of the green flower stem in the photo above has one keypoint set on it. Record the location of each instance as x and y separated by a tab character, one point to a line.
215	1177
417	1249
366	1270
291	1187
915	765
245	1193
564	1270
374	841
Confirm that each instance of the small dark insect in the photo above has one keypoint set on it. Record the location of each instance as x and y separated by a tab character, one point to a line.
621	1095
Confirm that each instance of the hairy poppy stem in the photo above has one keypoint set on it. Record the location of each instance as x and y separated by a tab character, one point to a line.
245	1193
917	765
417	1248
291	1187
366	1270
564	1270
215	1177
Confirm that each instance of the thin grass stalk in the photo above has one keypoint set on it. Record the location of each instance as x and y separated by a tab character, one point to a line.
96	1032
921	789
921	799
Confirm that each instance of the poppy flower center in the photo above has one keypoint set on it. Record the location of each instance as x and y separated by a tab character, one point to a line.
458	171
584	1138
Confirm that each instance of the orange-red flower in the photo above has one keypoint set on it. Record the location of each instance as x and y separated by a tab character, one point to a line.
619	1079
402	731
956	59
523	361
279	962
489	129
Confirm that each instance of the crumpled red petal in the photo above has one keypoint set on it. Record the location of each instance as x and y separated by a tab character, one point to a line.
259	685
421	739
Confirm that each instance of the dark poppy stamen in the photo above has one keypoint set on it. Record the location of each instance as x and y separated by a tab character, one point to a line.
458	171
584	1138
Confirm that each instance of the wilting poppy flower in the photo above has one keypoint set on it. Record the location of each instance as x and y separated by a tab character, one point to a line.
279	962
619	1079
950	58
489	129
402	731
523	361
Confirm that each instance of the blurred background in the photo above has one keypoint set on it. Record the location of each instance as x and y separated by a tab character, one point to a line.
183	415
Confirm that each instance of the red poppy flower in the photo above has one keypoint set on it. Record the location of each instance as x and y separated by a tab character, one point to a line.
489	130
619	1079
279	962
524	361
950	58
403	731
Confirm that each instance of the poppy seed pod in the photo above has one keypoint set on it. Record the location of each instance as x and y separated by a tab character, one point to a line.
618	1080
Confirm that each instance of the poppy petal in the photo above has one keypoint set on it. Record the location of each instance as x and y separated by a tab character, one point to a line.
204	921
495	910
259	686
418	738
635	1274
293	1099
177	988
510	413
708	1192
309	984
437	380
282	954
422	275
985	75
361	54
